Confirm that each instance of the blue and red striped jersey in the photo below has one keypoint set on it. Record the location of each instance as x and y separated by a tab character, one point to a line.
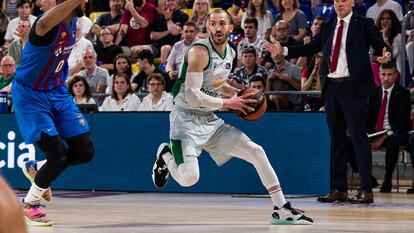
46	67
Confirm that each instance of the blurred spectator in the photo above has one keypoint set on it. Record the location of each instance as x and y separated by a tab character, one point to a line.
75	57
281	33
111	19
297	20
258	9
251	39
311	81
167	30
17	45
241	77
136	24
4	21
98	5
145	62
94	75
201	9
79	89
122	65
24	12
157	99
122	98
47	5
86	24
10	6
258	82
8	67
186	4
390	27
176	56
381	5
36	7
109	50
410	56
315	28
284	77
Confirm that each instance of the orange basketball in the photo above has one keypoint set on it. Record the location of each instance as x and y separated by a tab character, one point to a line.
259	107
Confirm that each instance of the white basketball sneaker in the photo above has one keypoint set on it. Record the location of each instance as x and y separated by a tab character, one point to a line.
289	216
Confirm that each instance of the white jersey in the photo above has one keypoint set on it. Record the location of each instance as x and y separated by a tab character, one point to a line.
214	76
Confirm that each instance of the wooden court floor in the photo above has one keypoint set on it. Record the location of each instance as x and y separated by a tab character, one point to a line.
106	212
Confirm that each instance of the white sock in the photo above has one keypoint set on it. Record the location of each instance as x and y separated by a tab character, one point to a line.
40	163
34	194
167	157
277	197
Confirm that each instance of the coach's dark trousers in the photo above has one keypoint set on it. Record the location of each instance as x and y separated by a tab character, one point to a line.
346	110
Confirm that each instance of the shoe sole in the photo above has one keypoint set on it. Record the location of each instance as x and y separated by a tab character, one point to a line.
287	222
38	224
160	148
26	174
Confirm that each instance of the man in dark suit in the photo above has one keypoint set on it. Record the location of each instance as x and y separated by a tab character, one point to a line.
346	81
389	109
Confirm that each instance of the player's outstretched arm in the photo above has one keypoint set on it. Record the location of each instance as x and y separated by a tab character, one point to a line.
55	15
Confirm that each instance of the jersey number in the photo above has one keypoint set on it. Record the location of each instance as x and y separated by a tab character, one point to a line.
59	66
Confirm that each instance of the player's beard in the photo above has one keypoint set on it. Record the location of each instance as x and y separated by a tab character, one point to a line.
222	39
79	11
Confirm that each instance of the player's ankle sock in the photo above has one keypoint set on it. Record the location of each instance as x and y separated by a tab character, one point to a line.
34	194
40	163
167	157
277	197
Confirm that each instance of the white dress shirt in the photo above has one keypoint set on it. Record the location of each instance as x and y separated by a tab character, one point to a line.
386	124
130	103
342	67
164	104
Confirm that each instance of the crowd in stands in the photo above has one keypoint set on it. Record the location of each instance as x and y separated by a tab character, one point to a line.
129	47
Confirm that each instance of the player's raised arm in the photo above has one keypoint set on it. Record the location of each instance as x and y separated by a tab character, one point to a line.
55	15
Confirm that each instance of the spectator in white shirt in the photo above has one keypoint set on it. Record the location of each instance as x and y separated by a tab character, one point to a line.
381	5
79	89
75	57
157	99
122	98
24	11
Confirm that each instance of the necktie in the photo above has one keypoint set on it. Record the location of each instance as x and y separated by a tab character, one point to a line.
381	114
335	55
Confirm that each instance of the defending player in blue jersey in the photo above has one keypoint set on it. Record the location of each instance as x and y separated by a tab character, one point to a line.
45	110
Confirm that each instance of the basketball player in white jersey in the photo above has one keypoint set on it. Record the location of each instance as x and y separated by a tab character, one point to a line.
194	126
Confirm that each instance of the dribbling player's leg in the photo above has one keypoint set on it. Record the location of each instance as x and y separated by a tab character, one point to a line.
186	173
283	212
11	214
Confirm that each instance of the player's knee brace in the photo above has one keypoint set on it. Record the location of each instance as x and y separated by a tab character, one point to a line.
81	148
54	150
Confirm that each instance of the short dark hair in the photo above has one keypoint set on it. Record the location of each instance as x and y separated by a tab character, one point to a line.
78	78
146	54
218	11
249	49
20	3
252	20
319	17
191	24
157	77
126	78
257	77
388	65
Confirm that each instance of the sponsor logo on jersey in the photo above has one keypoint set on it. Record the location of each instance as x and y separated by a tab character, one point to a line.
210	92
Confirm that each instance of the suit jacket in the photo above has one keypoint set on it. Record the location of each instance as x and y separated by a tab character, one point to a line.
362	34
399	109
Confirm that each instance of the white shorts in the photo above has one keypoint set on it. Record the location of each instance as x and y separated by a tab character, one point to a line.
190	132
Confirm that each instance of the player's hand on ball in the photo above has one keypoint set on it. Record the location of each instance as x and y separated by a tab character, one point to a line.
240	103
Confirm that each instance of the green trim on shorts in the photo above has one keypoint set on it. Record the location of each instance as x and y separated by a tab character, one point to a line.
177	151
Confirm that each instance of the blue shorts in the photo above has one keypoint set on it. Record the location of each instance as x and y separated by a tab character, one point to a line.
52	112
